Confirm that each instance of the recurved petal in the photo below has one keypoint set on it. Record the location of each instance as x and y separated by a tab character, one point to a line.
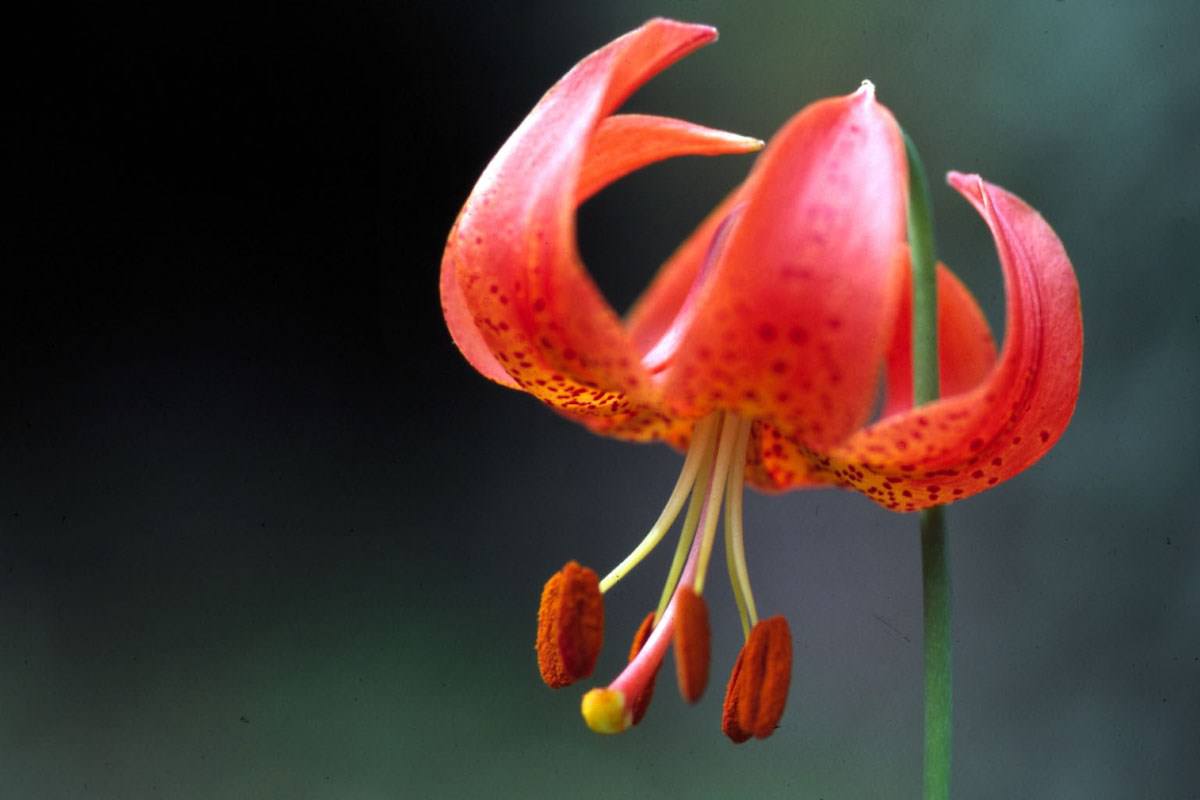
791	321
517	300
624	143
964	444
462	323
966	350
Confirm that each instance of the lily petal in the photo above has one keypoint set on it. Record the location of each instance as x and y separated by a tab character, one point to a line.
518	301
662	307
776	463
965	444
624	143
792	321
966	350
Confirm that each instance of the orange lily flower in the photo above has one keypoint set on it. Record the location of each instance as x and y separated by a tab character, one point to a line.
757	348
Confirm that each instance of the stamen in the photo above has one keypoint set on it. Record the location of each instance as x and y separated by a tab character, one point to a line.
735	549
729	435
758	686
692	646
698	450
601	707
639	704
570	626
688	532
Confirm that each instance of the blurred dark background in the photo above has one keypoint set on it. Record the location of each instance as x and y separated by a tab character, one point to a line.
263	533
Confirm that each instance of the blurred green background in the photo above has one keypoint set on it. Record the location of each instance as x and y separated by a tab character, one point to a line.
263	533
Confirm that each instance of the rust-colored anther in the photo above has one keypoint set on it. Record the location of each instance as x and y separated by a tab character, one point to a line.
640	703
691	643
758	685
570	625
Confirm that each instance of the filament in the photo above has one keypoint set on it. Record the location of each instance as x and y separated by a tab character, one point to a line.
641	669
690	522
697	453
735	551
716	486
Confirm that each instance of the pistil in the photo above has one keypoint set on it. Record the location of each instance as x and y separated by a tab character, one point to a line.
610	710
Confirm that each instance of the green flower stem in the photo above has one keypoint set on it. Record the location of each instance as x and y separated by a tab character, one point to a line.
935	565
924	281
935	578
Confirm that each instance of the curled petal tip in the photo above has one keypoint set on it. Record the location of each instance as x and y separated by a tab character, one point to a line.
866	89
720	142
708	30
965	182
623	143
704	34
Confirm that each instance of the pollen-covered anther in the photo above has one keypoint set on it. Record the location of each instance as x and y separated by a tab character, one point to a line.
570	625
758	685
691	644
639	704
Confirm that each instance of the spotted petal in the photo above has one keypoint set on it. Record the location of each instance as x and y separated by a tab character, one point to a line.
516	298
964	444
790	322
